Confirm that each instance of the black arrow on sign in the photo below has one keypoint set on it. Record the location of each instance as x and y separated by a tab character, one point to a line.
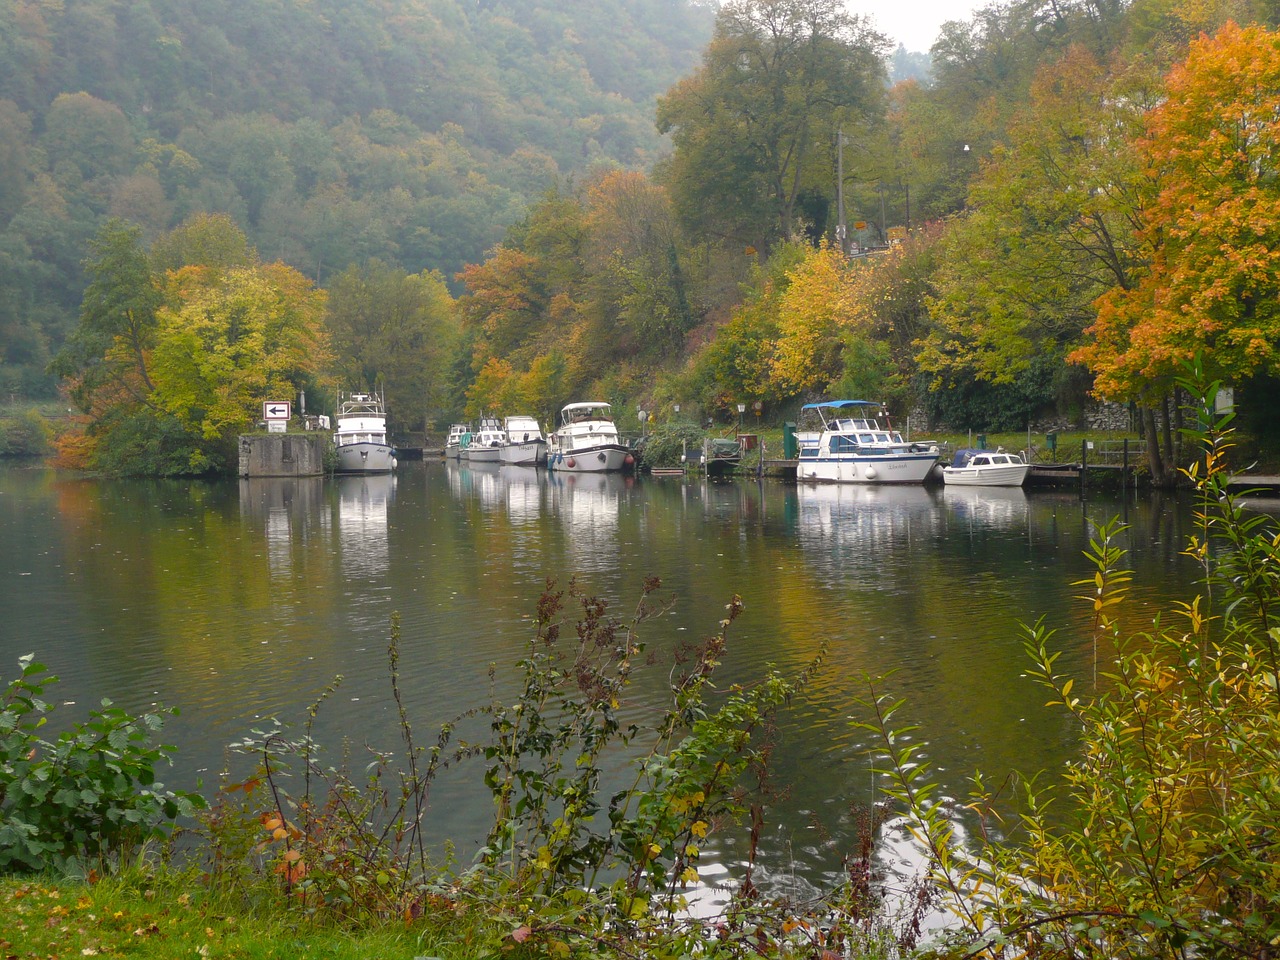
275	411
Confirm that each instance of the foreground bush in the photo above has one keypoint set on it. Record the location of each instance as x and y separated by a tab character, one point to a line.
86	801
1163	839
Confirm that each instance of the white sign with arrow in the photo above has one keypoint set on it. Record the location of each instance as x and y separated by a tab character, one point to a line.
276	409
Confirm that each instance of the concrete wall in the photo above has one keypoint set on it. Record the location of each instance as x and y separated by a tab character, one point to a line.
283	455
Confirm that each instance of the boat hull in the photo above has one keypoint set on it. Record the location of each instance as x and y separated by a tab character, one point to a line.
523	453
481	454
365	457
999	475
603	458
881	468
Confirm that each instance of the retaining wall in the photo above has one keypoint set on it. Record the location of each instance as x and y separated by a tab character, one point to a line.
283	455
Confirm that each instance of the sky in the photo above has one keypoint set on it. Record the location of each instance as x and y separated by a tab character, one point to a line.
914	22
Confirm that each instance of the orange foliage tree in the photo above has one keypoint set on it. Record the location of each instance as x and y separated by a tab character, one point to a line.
1212	224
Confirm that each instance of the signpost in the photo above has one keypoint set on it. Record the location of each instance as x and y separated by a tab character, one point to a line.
276	410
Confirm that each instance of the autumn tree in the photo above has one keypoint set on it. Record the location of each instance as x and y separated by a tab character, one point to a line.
168	367
634	258
755	126
228	340
1211	221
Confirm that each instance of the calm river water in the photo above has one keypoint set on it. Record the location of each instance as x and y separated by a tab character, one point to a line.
240	601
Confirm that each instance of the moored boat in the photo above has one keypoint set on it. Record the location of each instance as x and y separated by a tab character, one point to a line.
526	446
851	446
587	440
485	443
453	443
361	437
985	468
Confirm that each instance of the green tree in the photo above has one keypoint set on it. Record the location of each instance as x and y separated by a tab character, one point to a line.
395	332
1051	228
167	368
107	354
755	126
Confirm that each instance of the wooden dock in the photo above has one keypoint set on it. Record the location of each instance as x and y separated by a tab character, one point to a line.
1259	482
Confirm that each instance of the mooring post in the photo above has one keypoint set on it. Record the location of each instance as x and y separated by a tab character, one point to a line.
1084	463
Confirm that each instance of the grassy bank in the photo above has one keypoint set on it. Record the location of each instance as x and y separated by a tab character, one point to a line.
173	915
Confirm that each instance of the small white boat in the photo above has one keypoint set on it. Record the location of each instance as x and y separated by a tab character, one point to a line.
985	468
453	444
587	441
485	443
361	437
525	446
851	446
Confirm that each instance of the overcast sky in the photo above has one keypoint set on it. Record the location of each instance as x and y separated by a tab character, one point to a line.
914	22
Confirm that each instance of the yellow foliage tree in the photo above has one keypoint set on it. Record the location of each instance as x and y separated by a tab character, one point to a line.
227	341
814	312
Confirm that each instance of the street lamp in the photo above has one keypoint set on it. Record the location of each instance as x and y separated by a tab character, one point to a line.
676	407
742	408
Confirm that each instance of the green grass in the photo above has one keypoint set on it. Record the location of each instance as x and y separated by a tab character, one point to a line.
165	916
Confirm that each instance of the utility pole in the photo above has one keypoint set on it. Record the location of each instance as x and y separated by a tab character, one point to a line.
841	232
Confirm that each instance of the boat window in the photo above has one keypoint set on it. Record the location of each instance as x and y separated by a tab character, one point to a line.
843	444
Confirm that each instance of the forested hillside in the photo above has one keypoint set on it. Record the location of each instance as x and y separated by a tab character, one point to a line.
411	131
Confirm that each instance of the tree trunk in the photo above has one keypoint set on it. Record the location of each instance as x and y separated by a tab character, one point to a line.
1170	461
1154	461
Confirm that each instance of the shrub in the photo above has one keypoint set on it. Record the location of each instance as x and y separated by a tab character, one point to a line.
1161	841
89	798
26	435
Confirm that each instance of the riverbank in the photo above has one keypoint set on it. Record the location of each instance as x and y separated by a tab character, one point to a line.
158	914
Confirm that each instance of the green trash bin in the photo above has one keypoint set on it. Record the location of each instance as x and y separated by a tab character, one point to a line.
790	446
1051	441
982	441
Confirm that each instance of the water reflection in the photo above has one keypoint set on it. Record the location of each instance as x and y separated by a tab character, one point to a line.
236	602
587	504
988	506
363	503
857	527
282	507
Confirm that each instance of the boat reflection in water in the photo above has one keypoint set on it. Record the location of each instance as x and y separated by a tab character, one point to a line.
480	481
363	502
523	489
987	506
857	526
587	504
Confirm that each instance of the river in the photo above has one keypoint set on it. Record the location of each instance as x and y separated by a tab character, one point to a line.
239	601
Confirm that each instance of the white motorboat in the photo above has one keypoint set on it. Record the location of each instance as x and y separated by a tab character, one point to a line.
361	437
851	446
453	443
985	468
525	446
587	440
485	443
